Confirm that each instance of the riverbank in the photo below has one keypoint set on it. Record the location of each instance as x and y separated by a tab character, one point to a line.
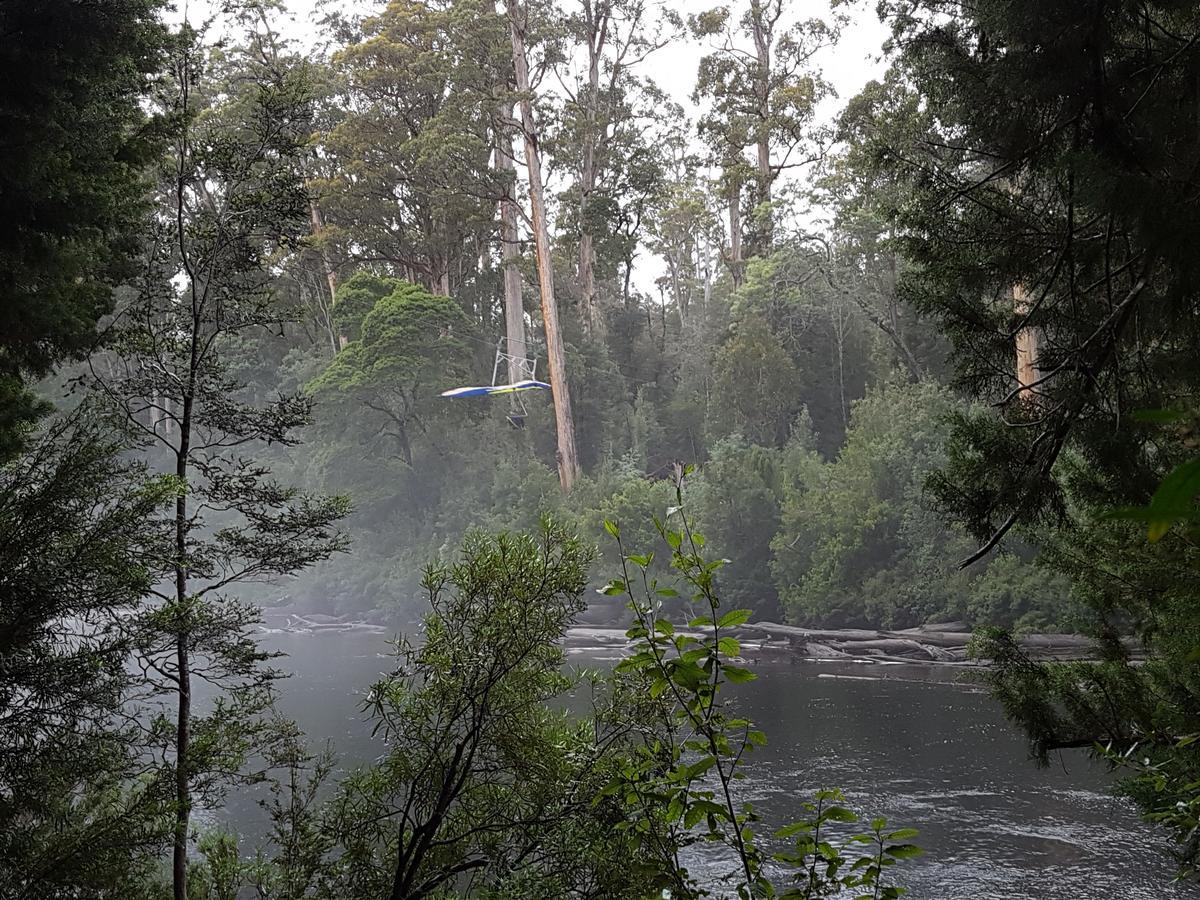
946	644
935	644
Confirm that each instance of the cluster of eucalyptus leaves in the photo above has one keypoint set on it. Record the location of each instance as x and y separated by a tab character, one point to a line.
683	782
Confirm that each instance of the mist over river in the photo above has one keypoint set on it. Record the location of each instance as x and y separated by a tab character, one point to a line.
903	741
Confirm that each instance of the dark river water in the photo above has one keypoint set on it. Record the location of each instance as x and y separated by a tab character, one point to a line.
905	742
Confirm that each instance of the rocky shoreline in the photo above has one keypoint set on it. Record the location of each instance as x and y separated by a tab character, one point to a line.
285	621
936	644
945	645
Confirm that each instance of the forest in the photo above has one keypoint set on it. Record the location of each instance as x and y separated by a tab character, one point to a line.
922	356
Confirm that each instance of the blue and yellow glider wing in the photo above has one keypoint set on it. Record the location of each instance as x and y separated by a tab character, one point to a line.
487	391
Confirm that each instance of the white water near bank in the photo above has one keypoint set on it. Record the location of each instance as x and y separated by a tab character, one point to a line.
907	741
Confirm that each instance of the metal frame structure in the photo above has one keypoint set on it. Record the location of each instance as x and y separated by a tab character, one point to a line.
510	364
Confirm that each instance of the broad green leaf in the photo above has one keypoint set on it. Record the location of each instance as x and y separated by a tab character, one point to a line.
734	618
738	675
1173	501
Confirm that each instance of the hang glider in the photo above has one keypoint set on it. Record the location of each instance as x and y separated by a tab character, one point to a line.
528	384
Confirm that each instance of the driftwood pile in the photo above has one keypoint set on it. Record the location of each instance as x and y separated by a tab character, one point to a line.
944	644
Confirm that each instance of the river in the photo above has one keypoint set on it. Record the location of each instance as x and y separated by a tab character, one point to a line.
906	742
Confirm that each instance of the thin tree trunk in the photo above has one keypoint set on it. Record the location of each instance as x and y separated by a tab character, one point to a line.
705	246
318	223
510	251
587	281
762	88
183	720
736	266
676	292
183	723
567	457
318	226
599	21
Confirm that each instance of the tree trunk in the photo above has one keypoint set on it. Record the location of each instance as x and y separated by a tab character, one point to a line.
183	792
318	226
676	291
318	223
183	718
510	251
567	457
762	91
587	280
736	266
1028	347
598	20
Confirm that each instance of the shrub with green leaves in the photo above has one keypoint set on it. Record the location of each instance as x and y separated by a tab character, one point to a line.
681	787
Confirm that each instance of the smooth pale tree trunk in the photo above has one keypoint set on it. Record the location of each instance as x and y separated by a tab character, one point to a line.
587	276
762	87
587	172
706	269
318	226
567	456
736	265
510	251
1028	347
1028	339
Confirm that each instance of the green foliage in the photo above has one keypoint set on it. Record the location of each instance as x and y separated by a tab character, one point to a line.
355	300
859	545
229	195
405	178
858	863
78	527
1045	200
410	347
681	786
990	190
1026	597
756	385
77	140
482	775
736	501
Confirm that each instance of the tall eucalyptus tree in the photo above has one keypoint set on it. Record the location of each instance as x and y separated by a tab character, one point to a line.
761	86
